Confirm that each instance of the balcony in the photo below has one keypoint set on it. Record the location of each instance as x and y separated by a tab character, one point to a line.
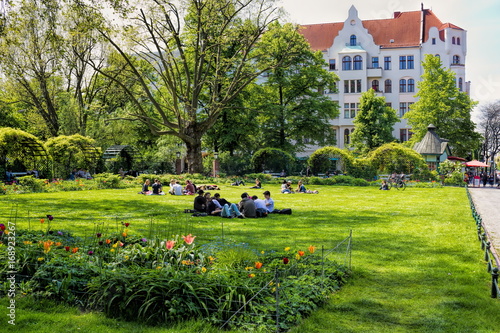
374	71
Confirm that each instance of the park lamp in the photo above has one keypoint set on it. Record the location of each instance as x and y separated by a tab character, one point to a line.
216	155
178	154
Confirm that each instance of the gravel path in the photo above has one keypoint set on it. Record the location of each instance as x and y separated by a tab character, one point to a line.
487	203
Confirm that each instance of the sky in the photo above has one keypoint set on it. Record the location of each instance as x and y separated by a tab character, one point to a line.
480	18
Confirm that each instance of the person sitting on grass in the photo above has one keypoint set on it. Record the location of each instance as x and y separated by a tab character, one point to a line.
269	202
189	189
260	206
157	188
258	184
221	201
286	187
200	203
213	207
177	188
145	187
384	186
302	189
247	206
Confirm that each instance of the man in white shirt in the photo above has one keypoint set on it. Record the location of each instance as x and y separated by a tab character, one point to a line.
177	188
269	202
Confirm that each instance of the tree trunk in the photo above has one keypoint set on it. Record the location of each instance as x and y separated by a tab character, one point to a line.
194	158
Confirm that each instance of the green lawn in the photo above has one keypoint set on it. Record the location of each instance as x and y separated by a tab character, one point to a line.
417	264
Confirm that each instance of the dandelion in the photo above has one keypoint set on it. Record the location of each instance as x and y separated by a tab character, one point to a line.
170	244
252	275
158	267
258	265
297	256
112	250
249	268
40	259
312	249
287	248
203	269
301	253
262	252
189	239
127	257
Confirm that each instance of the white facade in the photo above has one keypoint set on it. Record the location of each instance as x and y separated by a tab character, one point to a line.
386	55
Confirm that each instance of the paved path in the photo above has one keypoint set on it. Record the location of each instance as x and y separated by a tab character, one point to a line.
487	203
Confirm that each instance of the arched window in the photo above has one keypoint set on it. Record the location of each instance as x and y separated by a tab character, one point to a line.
353	40
346	63
458	40
402	86
388	86
375	85
453	40
347	139
411	85
358	63
456	60
437	55
460	84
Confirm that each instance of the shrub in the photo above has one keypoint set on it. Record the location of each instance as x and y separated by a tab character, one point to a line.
107	180
32	184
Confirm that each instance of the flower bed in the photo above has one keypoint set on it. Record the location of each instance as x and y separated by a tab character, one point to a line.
158	281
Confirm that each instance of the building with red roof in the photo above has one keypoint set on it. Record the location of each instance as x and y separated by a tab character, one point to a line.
384	54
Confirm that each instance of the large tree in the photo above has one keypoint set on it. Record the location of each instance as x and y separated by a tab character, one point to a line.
202	59
442	104
489	124
291	106
374	122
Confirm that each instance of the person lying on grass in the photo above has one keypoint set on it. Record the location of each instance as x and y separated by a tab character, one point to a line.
302	189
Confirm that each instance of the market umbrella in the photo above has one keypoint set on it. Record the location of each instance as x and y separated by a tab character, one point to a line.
476	164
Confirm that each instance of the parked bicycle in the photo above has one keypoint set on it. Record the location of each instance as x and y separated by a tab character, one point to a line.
398	182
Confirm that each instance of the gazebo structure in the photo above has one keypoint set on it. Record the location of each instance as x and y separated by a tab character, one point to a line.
122	156
433	148
22	153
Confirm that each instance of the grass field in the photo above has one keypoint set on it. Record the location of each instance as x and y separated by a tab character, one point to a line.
417	264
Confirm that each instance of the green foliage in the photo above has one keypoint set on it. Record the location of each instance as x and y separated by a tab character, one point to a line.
72	152
237	164
291	105
394	157
32	184
337	180
320	160
272	159
374	122
441	103
107	180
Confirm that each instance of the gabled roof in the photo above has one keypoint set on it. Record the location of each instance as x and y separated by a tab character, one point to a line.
403	29
431	144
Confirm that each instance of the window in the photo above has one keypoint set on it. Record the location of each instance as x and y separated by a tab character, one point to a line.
402	109
402	86
456	60
375	85
458	40
453	40
410	62
405	134
434	41
411	85
389	105
332	64
387	63
352	86
388	86
460	84
409	105
346	63
402	62
374	62
353	40
358	63
437	55
350	110
347	136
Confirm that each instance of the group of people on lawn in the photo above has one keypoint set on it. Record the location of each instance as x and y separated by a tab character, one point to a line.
248	206
286	187
175	188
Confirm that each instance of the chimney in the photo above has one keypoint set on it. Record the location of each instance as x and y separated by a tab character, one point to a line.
396	14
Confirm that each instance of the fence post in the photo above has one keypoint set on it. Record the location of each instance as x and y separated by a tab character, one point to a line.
494	282
277	281
483	237
486	254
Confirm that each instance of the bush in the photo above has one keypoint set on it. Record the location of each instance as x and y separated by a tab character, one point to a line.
33	184
107	180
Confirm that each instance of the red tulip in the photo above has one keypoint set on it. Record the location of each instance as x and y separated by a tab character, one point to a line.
285	260
66	248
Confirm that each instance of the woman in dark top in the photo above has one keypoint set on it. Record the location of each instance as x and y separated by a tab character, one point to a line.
200	203
145	187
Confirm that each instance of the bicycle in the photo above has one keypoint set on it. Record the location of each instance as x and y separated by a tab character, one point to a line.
398	183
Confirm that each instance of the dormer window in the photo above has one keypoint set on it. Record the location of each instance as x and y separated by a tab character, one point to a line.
353	40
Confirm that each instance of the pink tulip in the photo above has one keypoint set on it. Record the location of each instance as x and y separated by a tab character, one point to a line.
170	244
189	239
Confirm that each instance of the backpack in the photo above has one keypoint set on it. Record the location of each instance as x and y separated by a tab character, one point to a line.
260	212
287	211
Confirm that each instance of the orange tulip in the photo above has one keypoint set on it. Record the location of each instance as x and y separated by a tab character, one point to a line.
312	249
74	250
258	265
301	253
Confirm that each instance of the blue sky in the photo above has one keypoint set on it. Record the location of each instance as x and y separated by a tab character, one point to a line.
481	19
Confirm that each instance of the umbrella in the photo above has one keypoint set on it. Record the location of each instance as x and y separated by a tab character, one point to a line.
476	164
